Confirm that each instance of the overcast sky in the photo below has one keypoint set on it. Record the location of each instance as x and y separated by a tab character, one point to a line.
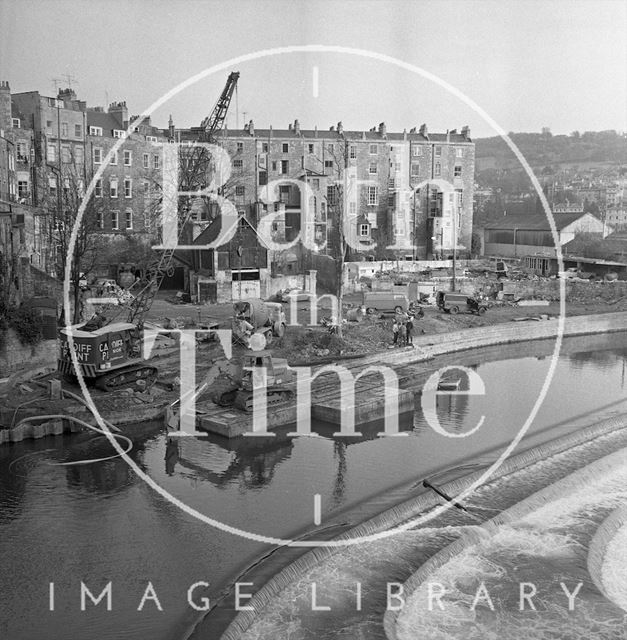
529	64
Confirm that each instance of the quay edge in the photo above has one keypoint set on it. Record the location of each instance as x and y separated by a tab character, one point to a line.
231	423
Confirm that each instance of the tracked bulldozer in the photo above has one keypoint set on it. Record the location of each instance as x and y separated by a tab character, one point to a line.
231	384
280	382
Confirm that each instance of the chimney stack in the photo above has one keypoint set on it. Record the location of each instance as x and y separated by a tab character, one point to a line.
251	128
340	128
382	130
5	105
171	128
316	131
466	132
412	130
66	95
423	131
296	127
119	111
289	126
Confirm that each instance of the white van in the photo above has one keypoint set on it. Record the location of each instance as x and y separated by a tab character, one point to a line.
385	301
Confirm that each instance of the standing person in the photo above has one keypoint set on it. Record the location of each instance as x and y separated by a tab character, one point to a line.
410	327
402	334
395	331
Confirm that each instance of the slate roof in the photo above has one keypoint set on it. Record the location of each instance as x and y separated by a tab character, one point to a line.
105	120
210	234
322	134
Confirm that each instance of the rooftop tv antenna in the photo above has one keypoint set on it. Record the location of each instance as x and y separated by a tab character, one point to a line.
65	78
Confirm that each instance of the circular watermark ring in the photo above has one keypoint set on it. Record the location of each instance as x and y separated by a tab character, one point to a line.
318	48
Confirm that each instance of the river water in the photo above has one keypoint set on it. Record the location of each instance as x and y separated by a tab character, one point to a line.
547	547
99	523
546	553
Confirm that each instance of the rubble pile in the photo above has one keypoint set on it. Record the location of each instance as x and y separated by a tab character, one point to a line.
303	344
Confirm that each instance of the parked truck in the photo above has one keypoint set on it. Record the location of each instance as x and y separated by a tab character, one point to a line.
456	302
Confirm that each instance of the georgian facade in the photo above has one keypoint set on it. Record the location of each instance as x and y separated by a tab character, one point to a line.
408	195
400	195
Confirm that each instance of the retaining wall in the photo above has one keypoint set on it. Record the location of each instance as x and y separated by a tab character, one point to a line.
403	512
30	430
14	355
545	289
429	346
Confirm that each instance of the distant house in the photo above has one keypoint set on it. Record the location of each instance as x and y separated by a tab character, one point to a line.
568	207
530	237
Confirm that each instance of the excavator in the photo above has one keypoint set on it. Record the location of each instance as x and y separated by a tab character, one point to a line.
109	353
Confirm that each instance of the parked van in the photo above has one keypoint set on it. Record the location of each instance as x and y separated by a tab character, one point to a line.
385	301
456	302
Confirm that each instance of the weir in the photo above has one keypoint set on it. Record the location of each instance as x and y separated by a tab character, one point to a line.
592	484
364	562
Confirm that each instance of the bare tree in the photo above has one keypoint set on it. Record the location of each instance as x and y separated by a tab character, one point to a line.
338	195
64	206
8	274
198	170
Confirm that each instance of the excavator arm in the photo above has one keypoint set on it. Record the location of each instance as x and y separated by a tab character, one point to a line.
214	122
222	368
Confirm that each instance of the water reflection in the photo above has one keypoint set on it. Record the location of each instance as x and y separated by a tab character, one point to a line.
339	486
251	462
172	455
598	358
452	406
103	478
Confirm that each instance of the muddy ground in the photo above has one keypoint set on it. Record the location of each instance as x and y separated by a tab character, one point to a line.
305	344
301	345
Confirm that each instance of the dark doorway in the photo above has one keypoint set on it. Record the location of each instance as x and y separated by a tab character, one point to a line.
175	279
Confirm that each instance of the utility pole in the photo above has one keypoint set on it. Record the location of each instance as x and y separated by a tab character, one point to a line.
454	245
239	253
341	200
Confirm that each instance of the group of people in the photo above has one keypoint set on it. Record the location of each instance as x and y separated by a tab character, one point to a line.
402	330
